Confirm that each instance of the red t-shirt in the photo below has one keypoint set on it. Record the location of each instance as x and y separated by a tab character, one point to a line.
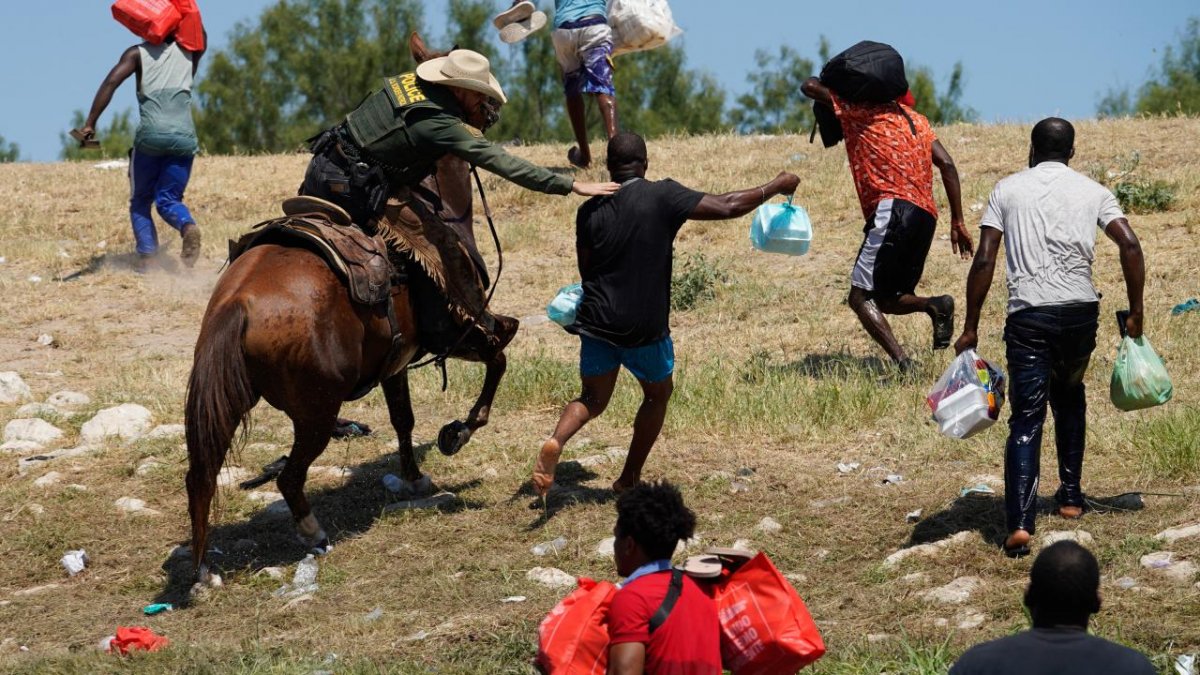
886	159
688	642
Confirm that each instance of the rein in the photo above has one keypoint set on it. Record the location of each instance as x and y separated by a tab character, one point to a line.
440	359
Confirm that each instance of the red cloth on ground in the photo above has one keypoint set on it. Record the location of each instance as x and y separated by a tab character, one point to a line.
688	643
131	638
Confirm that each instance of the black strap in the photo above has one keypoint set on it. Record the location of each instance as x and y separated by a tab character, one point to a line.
668	603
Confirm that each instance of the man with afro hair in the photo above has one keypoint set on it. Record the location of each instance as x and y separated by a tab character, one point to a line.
660	622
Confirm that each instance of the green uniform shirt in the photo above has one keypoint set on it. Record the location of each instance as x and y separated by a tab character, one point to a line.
410	124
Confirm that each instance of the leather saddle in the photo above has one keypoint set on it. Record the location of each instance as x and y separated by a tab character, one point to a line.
361	260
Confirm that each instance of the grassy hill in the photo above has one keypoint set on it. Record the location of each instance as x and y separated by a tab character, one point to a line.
776	384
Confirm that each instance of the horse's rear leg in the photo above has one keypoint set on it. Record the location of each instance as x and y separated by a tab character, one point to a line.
399	403
312	433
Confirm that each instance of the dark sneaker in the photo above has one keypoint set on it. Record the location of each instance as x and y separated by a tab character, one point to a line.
190	251
941	310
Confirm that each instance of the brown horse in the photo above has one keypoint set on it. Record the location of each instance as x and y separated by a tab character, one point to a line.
280	326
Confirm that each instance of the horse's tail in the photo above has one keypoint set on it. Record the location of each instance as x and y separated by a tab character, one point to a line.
219	398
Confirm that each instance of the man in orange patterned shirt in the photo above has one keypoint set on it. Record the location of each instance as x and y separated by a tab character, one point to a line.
892	153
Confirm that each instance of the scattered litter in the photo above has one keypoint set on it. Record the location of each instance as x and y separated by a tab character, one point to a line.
74	561
980	489
892	479
392	482
374	615
1165	562
551	576
768	525
46	340
112	164
273	572
850	467
913	516
304	581
1189	305
133	638
1126	583
548	547
1185	664
514	598
157	608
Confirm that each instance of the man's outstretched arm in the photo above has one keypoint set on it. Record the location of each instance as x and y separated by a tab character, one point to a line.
979	281
960	238
1133	265
735	204
126	66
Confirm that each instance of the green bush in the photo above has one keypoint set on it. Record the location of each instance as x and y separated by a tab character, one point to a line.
695	283
1136	194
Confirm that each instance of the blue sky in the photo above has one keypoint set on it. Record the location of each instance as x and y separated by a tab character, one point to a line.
1024	59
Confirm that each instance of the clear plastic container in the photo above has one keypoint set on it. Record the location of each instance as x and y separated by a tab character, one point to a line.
964	413
561	309
781	228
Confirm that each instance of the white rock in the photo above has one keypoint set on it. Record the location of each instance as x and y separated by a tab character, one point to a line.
743	544
1081	537
263	496
35	509
768	525
970	619
514	598
1126	583
129	421
436	501
35	279
606	547
796	578
491	472
876	638
1169	565
592	460
1174	534
913	516
847	467
68	399
166	431
915	579
133	505
546	548
32	429
273	572
13	389
926	550
825	503
36	410
21	447
35	590
148	465
27	463
45	340
230	476
954	593
51	478
551	577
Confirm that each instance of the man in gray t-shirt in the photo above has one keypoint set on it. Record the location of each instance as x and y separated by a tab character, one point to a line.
1048	216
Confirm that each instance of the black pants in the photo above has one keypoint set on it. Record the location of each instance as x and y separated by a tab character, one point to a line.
1048	353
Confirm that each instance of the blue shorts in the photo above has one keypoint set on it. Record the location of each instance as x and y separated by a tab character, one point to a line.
649	363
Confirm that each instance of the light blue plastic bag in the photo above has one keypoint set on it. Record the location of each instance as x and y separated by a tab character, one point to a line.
561	309
781	228
1139	378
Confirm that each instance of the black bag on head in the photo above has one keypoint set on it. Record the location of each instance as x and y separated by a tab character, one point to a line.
868	72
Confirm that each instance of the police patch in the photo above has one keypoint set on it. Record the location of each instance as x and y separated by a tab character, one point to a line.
473	131
404	90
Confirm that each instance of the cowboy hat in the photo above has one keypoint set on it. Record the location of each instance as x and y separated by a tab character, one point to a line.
464	69
519	30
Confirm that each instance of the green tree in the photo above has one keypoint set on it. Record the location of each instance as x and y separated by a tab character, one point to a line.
9	152
1176	89
301	68
658	94
945	107
535	109
774	104
115	139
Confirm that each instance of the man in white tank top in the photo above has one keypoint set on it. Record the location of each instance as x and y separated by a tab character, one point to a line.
164	145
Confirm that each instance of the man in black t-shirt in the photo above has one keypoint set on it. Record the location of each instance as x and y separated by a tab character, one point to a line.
624	244
1063	593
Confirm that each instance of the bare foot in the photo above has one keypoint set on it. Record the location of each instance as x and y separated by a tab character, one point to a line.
543	469
1070	512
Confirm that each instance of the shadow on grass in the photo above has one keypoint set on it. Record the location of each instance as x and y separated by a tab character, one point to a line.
836	366
567	491
268	538
985	515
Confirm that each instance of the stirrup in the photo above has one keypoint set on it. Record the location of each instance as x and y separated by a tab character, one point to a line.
307	204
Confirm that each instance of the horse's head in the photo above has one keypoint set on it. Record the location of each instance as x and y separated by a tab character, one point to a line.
421	52
452	181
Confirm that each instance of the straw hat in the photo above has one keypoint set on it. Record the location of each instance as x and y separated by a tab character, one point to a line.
465	69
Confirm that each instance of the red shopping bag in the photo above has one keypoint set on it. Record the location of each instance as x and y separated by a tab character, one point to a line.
573	638
151	20
190	34
765	627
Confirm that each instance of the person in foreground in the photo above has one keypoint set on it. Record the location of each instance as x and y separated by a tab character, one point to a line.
624	245
660	622
164	145
1063	593
892	152
1048	216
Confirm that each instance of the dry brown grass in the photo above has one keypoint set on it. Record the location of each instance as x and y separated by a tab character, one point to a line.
774	375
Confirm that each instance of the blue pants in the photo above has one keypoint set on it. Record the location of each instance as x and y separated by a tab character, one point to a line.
1048	353
159	180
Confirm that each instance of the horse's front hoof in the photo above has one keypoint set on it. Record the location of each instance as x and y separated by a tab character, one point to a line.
453	437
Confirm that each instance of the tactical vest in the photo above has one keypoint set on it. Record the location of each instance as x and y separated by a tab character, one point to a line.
379	129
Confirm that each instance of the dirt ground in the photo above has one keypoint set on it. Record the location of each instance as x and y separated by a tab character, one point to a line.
776	385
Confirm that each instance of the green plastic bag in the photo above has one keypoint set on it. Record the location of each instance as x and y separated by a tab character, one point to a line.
1139	379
